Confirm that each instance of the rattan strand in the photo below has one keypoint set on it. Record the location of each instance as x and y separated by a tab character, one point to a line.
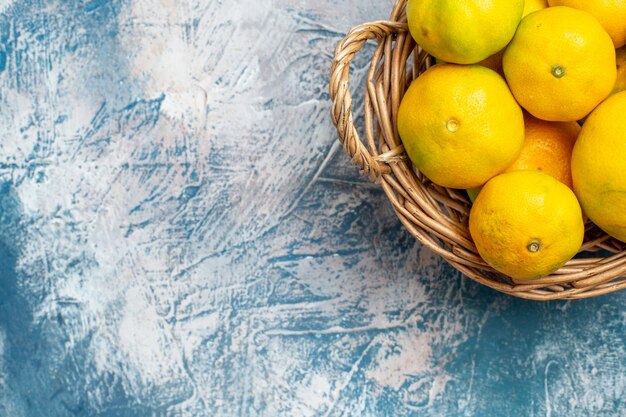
434	215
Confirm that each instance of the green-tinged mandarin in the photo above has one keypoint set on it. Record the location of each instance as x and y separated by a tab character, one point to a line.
463	32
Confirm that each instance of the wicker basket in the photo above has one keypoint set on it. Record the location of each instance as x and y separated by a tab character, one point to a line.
437	216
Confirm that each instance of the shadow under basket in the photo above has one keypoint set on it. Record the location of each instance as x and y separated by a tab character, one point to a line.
438	216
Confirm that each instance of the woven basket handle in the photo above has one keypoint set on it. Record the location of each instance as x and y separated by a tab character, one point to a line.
341	110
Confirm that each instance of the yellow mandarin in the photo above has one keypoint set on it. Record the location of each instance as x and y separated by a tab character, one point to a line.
460	125
610	13
526	224
599	168
560	64
534	5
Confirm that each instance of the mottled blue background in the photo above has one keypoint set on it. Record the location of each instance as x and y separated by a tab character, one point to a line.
181	235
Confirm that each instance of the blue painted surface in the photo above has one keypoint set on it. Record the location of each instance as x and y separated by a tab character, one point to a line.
180	235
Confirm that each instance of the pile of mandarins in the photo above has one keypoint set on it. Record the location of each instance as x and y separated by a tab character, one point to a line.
500	115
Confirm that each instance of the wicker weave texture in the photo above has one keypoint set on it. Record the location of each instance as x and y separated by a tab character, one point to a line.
437	216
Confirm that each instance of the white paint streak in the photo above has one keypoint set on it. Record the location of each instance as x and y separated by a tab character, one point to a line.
410	354
4	4
335	330
347	379
546	385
